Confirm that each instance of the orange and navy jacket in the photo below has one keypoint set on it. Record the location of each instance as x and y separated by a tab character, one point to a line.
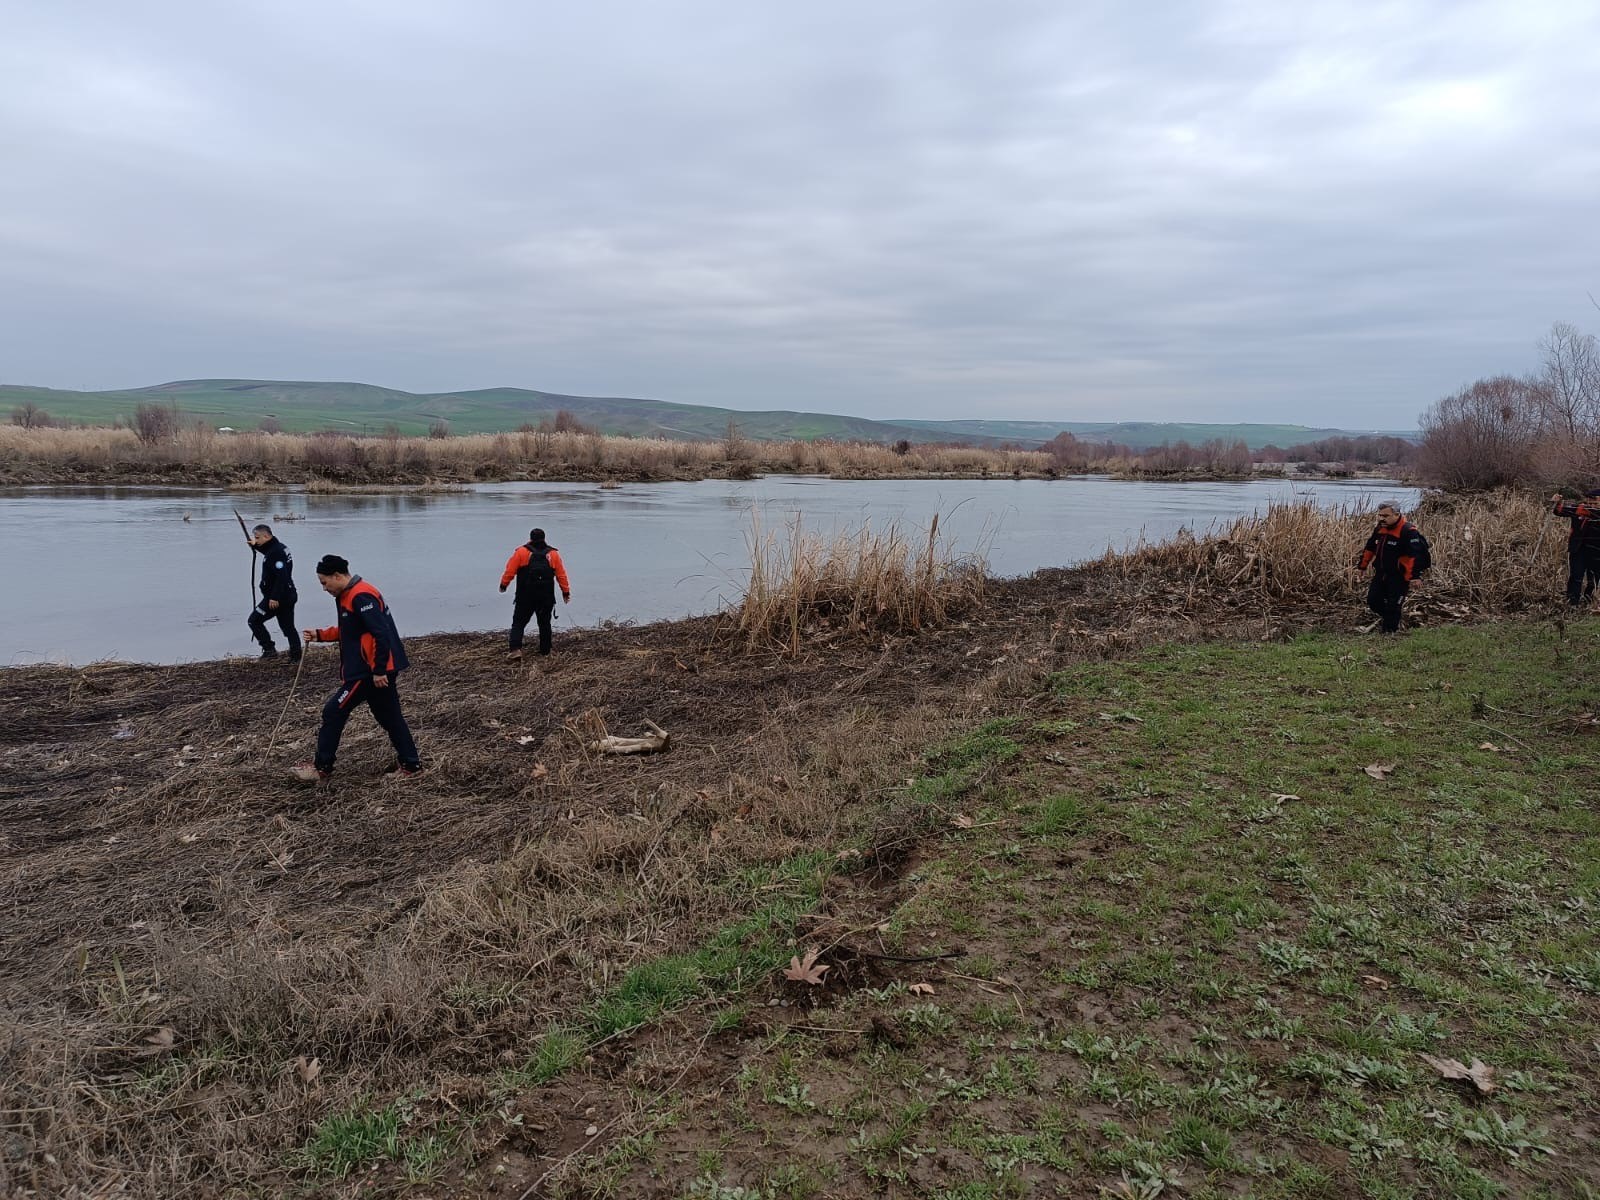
1585	518
527	565
369	643
1400	553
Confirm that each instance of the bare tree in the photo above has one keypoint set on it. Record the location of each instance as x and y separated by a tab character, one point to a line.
1483	436
270	425
439	430
30	416
1571	379
155	424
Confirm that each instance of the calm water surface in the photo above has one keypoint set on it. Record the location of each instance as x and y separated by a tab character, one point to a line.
103	573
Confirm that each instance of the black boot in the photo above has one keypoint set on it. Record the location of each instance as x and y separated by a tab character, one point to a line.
268	652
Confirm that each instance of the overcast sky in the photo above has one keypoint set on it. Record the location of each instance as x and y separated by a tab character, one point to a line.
1329	213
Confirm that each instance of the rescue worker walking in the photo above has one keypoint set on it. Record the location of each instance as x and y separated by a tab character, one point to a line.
278	594
537	568
1583	544
1398	554
371	655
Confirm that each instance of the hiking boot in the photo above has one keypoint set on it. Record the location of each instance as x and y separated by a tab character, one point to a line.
309	773
269	652
514	656
402	771
295	655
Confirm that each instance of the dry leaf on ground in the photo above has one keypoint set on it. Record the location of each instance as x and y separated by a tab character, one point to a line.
1480	1075
308	1069
808	969
1376	981
1379	771
961	821
540	771
921	989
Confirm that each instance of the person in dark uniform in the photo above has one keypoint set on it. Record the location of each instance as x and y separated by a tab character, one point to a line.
371	656
278	593
537	569
1583	544
1398	555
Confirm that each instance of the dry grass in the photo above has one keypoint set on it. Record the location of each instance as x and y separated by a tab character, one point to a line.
202	455
866	581
1496	553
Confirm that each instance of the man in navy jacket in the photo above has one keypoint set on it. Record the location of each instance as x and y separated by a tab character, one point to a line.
371	657
278	594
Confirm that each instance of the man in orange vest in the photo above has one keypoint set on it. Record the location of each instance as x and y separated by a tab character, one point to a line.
1398	555
537	568
371	656
1583	544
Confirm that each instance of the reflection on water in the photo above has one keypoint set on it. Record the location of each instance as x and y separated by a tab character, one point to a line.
118	572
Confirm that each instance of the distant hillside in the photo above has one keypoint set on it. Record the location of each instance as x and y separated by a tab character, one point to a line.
1143	434
365	408
360	407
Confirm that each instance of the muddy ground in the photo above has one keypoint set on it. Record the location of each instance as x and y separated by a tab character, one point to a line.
138	800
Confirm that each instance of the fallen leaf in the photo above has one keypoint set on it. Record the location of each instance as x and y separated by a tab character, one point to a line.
1376	981
1490	746
161	1040
1282	797
847	854
539	771
188	839
591	1131
1379	772
921	989
308	1069
807	970
961	821
525	739
1480	1075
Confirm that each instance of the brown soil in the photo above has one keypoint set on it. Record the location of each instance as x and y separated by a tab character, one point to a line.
146	829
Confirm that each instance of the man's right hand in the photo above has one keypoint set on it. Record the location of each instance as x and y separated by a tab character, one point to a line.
566	597
502	587
1556	499
308	635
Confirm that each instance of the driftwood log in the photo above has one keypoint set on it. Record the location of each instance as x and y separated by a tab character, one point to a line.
657	739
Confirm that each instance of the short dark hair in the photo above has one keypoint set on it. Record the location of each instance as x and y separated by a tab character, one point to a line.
536	536
262	529
332	564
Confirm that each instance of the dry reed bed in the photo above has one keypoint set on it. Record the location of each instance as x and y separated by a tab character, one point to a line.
281	457
1501	553
866	581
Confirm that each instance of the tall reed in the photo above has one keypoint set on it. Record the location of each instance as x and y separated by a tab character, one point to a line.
872	581
1499	552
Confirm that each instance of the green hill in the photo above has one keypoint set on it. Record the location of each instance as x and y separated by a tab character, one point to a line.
1143	434
365	408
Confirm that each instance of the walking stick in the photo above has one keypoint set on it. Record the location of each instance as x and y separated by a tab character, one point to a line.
246	532
300	666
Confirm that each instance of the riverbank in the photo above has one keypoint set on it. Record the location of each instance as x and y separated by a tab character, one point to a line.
1066	860
202	457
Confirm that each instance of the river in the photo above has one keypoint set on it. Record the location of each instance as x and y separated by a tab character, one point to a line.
158	575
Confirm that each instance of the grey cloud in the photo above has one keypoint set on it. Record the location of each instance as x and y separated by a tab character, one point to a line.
1229	210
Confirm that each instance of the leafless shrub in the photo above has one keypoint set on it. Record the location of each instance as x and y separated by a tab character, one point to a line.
439	430
1482	436
30	416
155	424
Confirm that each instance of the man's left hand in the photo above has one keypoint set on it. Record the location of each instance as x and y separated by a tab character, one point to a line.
380	681
271	605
